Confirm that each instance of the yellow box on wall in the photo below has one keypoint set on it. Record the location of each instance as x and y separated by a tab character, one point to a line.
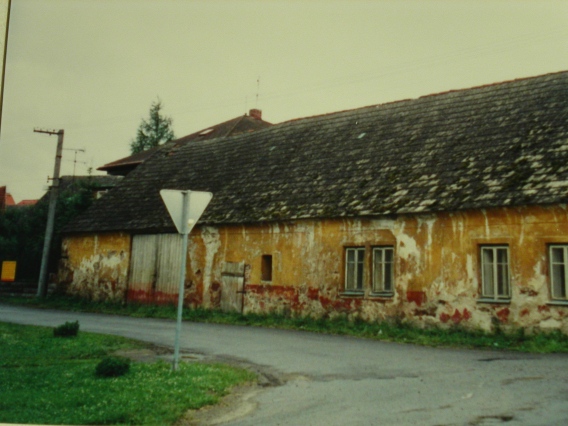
8	271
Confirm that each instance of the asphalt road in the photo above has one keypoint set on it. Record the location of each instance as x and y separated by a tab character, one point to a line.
331	380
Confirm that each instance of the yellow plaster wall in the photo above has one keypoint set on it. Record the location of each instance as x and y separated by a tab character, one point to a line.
95	266
437	265
437	276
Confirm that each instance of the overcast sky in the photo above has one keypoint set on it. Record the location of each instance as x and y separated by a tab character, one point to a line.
93	67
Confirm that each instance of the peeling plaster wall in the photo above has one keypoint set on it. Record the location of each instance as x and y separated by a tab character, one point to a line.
437	277
95	266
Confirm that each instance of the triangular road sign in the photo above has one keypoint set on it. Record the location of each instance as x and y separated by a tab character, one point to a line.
197	202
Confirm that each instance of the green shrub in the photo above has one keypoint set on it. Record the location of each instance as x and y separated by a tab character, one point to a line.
69	329
112	366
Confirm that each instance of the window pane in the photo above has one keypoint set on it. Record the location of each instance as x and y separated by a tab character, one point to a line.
502	255
502	272
378	256
389	254
377	270
558	281
487	272
387	286
360	275
378	273
350	255
488	280
487	255
360	263
558	254
350	276
502	280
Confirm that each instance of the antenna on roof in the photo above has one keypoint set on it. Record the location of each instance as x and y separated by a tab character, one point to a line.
257	90
75	159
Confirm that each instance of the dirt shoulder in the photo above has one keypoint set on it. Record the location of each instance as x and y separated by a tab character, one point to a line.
240	401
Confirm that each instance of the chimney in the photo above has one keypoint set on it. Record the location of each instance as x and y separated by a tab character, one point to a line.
256	113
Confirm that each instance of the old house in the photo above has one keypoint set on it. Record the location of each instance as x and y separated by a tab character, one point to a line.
243	124
6	199
445	209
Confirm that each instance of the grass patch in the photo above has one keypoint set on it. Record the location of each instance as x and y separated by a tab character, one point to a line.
48	380
394	331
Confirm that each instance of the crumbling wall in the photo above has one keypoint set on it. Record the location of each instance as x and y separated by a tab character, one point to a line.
437	267
95	266
437	270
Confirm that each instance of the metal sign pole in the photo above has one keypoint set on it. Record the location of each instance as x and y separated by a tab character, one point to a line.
178	204
184	235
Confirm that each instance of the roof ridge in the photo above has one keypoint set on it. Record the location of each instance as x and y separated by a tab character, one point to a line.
234	126
431	95
499	83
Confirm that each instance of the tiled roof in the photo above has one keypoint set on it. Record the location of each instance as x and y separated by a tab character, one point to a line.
137	158
242	124
499	145
9	200
27	203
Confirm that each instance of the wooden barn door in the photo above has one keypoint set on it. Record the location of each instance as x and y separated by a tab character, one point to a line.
154	268
233	279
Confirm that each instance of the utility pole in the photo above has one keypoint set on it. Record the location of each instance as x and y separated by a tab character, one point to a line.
41	287
9	6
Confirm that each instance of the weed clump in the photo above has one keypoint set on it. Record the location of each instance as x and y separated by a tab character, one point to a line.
112	366
69	329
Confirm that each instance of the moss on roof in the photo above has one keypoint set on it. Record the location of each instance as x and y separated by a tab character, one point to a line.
498	145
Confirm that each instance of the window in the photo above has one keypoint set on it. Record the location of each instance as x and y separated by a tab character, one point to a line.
495	272
266	267
354	269
558	271
383	270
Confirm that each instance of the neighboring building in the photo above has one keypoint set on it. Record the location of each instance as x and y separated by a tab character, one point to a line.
27	203
2	198
243	124
6	199
446	209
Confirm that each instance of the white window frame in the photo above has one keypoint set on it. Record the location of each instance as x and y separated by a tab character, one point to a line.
355	270
380	271
562	273
492	273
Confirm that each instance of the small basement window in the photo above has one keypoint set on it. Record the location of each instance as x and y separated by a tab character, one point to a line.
266	267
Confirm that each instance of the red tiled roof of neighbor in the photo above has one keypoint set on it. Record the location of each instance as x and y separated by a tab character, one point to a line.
242	124
27	203
9	200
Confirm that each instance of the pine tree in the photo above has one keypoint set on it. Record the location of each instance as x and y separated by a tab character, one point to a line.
154	131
